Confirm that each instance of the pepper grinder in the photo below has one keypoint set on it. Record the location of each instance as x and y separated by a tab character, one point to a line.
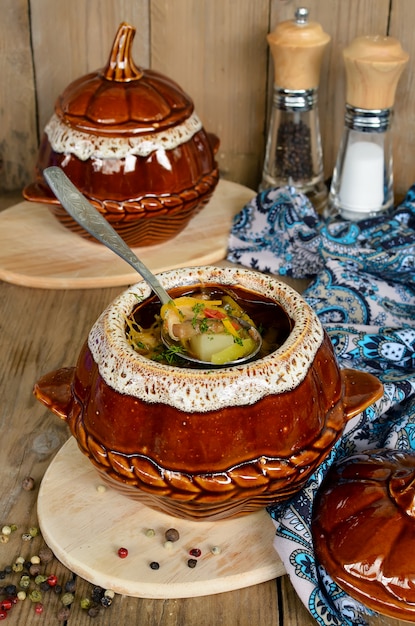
293	153
362	183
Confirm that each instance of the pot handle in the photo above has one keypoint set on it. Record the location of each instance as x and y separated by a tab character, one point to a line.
360	390
54	390
214	142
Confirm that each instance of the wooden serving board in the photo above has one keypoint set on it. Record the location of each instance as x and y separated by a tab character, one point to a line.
85	527
37	251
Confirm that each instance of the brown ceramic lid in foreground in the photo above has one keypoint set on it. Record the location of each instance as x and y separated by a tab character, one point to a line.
364	530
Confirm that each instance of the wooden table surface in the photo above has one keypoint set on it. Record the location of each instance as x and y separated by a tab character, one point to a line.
42	330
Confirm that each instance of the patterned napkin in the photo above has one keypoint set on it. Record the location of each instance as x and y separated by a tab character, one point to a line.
363	289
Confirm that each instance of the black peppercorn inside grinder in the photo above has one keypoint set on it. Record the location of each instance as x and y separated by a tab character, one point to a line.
294	153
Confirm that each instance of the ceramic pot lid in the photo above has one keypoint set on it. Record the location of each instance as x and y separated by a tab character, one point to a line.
364	530
121	98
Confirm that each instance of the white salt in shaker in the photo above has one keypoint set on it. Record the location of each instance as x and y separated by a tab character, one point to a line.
362	183
293	152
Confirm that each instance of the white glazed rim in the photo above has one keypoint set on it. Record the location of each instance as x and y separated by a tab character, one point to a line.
199	390
64	139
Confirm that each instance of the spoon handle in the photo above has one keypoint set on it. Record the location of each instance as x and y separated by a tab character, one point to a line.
87	216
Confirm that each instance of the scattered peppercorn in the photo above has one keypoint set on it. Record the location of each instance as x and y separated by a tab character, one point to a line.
25	582
52	580
94	611
3	615
172	534
70	585
192	563
6	530
215	550
17	567
4	538
85	603
6	604
35	595
28	483
150	532
97	594
63	613
34	569
105	601
154	565
123	553
39	608
45	554
67	599
195	552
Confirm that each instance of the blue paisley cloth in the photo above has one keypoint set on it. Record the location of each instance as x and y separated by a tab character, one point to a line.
362	287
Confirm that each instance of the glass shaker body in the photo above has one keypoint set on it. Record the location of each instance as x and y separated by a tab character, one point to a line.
362	183
294	153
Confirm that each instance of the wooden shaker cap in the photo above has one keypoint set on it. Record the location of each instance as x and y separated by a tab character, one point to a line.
297	48
374	64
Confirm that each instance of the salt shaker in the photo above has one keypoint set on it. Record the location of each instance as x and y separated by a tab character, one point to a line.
293	152
362	183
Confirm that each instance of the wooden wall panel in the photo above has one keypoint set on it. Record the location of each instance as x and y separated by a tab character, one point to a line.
73	38
18	137
403	128
216	50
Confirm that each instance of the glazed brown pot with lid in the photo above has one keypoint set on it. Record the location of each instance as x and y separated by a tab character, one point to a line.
209	443
130	140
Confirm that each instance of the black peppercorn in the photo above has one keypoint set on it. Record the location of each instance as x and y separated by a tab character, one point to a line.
97	593
70	585
106	601
10	590
192	563
172	534
154	565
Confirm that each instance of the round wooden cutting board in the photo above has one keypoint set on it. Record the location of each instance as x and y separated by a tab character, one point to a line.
37	251
85	524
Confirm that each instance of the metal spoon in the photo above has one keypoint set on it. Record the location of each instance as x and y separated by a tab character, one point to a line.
87	216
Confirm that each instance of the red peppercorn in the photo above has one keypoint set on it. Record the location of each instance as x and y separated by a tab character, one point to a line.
123	553
6	604
3	614
38	608
195	552
52	580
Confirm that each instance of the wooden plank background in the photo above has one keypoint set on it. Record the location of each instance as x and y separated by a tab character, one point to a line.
216	50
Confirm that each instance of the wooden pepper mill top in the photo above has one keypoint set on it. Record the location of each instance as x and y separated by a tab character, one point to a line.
374	64
297	48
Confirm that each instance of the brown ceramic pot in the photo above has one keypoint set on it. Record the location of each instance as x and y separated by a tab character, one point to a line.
208	444
364	530
131	142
